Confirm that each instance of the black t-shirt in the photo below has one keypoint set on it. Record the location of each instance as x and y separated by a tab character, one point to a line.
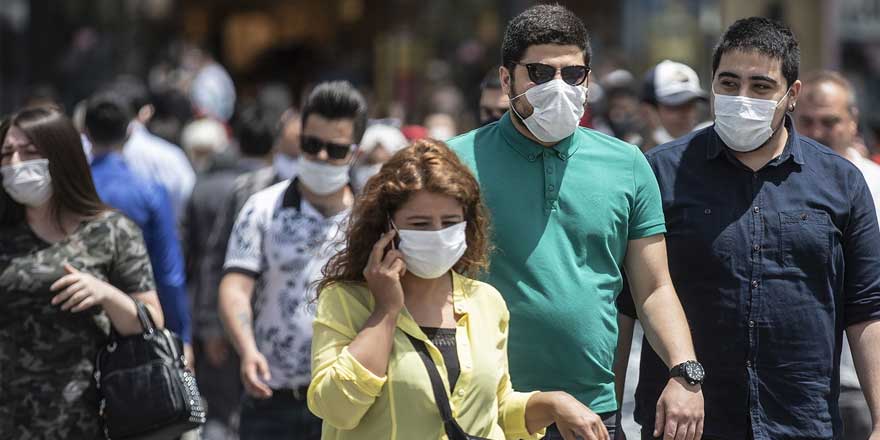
444	340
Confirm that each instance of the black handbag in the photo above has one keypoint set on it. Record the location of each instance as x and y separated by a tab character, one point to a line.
453	430
145	390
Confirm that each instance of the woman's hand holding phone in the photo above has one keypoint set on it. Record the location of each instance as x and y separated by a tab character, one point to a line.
384	269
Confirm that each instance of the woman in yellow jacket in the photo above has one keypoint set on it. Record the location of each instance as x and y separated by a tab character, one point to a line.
416	233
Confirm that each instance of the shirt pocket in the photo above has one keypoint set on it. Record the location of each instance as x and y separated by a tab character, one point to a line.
805	240
698	242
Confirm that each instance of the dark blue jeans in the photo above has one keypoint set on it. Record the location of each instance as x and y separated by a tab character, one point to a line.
648	434
281	417
611	421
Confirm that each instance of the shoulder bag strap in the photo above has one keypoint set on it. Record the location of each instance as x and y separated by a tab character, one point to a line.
453	429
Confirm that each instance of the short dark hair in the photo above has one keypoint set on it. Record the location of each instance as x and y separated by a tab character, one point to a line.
765	36
491	81
255	130
338	100
131	91
543	24
55	137
107	120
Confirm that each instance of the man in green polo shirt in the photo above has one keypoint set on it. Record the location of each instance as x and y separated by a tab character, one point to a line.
571	207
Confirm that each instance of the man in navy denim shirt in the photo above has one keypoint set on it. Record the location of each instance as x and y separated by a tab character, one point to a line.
774	250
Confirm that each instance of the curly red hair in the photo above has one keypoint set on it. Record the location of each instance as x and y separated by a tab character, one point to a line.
427	165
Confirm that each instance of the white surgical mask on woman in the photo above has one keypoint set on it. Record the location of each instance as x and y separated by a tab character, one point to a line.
430	254
322	178
29	182
558	108
743	123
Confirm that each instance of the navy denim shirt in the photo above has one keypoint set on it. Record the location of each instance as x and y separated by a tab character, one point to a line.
770	266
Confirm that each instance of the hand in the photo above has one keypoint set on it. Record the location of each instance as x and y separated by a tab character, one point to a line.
875	435
189	356
576	421
80	291
216	350
383	273
679	411
255	374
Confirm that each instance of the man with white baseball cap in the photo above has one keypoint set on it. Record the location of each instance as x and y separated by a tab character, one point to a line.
379	143
670	96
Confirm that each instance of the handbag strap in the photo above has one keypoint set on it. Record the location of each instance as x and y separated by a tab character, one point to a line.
453	429
149	326
145	318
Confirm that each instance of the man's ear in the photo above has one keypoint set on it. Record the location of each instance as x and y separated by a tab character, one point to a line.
794	94
504	76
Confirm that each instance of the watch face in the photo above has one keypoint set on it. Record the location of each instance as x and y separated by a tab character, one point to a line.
694	372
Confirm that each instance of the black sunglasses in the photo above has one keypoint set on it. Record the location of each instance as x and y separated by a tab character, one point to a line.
541	73
313	146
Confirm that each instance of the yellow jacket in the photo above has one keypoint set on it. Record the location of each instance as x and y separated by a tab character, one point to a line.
357	404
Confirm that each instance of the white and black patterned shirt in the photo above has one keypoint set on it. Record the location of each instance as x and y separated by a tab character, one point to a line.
283	242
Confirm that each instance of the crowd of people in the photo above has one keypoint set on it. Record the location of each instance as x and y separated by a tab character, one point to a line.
339	277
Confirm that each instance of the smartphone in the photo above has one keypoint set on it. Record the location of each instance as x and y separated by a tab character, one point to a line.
393	243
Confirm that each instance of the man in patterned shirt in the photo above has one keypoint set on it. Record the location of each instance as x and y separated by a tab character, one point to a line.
282	238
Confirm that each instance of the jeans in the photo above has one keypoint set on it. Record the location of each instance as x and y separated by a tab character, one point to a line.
281	416
220	387
648	434
855	413
611	421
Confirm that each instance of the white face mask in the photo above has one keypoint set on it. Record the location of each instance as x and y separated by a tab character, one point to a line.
322	178
661	136
558	108
285	166
744	124
430	254
28	183
361	174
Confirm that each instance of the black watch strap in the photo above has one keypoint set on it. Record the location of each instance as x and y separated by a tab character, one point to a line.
691	371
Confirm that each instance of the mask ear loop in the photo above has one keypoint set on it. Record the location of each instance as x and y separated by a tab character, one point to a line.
513	106
781	122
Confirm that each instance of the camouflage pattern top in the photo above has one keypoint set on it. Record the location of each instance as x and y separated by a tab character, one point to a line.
46	354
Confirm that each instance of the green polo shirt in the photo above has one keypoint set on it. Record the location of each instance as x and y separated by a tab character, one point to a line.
561	218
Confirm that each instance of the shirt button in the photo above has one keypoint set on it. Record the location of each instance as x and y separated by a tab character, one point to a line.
749	364
461	393
531	157
707	211
751	324
550	187
756	247
756	209
754	283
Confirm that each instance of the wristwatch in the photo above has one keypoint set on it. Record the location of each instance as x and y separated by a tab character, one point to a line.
691	371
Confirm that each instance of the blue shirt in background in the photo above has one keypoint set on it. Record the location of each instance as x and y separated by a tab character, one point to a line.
148	205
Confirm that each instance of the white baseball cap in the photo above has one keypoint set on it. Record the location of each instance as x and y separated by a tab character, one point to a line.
672	83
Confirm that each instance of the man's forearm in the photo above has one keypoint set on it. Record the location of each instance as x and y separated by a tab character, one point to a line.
237	317
666	327
864	341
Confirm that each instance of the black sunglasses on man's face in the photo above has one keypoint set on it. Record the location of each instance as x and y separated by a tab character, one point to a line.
313	146
540	73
